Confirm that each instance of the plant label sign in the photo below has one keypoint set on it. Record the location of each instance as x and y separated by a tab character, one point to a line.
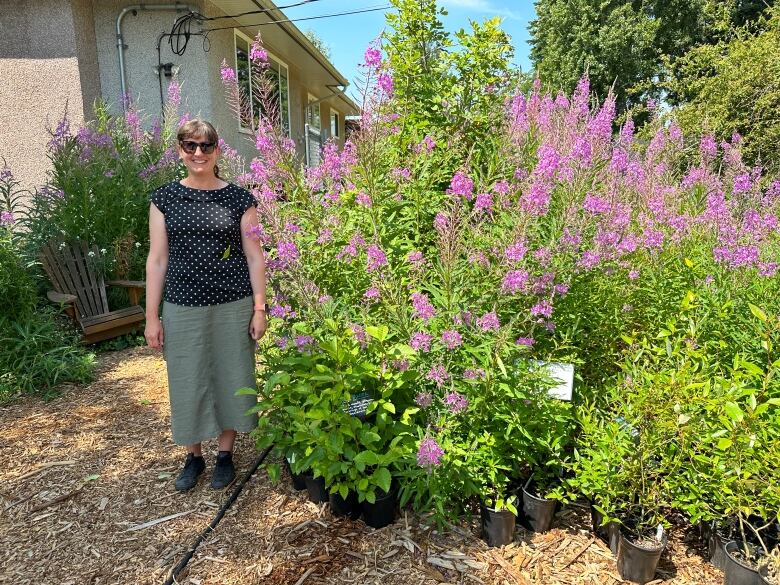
563	374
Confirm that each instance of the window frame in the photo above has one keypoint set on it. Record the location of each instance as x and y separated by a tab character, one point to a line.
236	34
334	129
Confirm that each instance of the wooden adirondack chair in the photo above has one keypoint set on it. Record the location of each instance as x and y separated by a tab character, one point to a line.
83	290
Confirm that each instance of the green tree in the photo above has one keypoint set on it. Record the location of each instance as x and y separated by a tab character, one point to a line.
450	83
734	86
317	41
629	43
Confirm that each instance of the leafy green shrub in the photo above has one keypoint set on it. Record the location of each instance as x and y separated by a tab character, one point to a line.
37	354
99	184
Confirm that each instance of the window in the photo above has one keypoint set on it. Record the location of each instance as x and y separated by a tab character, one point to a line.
334	124
278	77
313	117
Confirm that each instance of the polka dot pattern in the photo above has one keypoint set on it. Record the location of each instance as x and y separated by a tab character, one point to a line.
206	263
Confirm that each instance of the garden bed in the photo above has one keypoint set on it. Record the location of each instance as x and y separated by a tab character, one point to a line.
102	458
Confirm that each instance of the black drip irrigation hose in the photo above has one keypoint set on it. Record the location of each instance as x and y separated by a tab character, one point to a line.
175	571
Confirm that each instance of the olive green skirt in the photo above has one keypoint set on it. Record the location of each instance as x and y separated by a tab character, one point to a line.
209	355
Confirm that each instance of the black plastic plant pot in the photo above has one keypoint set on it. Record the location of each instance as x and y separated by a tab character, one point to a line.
717	537
498	527
382	512
609	533
318	493
737	571
298	479
349	507
637	562
538	512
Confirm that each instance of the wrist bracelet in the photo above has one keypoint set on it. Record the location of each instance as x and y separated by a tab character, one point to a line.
259	308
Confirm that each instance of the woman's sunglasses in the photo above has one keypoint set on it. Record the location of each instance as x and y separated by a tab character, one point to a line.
190	147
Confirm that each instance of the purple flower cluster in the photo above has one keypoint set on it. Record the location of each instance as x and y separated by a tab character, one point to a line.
516	252
421	341
423	309
372	294
451	339
375	258
360	335
489	322
372	57
542	309
438	374
456	403
515	281
525	341
423	399
462	186
303	342
429	453
287	252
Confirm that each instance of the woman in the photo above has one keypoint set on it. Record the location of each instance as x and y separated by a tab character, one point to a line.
213	277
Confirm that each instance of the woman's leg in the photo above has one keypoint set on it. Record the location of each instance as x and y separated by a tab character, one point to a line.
195	449
225	440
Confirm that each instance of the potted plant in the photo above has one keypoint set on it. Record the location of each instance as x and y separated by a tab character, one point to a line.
545	437
488	472
601	447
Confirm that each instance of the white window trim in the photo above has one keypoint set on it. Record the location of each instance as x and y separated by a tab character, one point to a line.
313	98
249	41
337	115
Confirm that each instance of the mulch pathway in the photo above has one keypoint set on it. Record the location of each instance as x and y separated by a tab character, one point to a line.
85	476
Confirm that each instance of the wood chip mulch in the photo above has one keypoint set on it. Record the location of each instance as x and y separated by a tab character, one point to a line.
87	497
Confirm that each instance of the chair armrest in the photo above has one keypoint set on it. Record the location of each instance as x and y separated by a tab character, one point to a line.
56	297
134	289
127	283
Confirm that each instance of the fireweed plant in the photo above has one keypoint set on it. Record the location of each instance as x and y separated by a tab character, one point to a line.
551	237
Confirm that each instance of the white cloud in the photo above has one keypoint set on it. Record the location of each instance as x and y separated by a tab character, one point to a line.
481	6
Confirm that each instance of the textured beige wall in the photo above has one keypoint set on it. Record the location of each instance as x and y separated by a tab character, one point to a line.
39	75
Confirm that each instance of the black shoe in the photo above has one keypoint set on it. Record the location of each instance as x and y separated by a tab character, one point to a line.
224	471
188	478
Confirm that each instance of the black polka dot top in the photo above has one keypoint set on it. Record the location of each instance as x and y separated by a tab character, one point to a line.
206	263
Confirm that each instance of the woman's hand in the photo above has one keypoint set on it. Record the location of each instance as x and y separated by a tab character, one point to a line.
154	333
258	325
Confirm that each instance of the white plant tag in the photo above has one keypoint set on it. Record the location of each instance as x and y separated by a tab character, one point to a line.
563	374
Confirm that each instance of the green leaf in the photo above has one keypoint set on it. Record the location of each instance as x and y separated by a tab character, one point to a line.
246	392
226	253
382	478
733	411
389	407
93	477
757	312
724	443
367	458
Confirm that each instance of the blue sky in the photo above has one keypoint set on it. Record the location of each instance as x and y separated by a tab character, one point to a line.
348	36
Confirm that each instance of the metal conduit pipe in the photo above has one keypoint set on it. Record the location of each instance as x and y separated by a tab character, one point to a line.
120	44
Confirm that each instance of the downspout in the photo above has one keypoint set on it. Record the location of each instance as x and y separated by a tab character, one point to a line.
120	45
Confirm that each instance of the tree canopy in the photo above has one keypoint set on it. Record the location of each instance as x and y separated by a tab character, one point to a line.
632	44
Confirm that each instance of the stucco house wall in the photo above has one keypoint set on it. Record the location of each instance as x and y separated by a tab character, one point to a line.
58	52
39	76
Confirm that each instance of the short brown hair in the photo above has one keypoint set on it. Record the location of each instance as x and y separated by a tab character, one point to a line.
197	127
